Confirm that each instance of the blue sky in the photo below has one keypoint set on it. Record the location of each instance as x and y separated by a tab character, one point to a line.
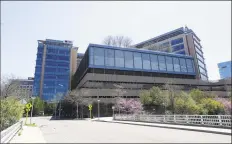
23	23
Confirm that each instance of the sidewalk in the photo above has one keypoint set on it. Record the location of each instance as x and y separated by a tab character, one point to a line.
171	126
29	135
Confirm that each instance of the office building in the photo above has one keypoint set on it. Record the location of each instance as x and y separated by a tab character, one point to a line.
107	72
56	62
24	87
225	69
180	41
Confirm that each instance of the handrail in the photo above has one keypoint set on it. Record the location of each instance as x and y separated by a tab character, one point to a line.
9	133
206	120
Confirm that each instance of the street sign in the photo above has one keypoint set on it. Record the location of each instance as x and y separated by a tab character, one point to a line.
90	107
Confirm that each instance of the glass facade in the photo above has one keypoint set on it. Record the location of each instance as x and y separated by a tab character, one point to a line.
225	69
129	59
56	76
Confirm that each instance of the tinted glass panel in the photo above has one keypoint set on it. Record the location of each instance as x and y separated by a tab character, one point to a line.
162	65
183	67
109	57
204	77
189	65
137	60
181	52
128	59
99	56
177	41
203	71
169	63
200	57
154	62
201	64
119	58
178	47
176	64
91	52
146	61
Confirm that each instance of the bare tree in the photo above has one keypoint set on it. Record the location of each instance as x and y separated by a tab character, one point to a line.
77	96
118	41
10	86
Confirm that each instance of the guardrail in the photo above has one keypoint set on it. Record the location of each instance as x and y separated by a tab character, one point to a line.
9	133
207	120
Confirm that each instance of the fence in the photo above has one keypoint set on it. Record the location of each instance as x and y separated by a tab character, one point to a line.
209	120
9	133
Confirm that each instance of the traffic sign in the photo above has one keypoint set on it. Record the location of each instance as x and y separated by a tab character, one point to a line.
90	107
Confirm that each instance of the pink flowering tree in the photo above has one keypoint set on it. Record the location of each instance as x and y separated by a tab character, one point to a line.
129	105
226	103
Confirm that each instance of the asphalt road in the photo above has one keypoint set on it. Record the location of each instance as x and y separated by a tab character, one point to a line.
85	131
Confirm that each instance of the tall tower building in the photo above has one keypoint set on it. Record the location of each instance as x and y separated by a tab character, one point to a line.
55	64
180	41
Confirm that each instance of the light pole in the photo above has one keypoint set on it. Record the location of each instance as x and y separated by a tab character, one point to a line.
113	111
60	102
98	113
32	107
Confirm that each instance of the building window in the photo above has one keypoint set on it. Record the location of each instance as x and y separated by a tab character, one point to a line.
169	63
162	65
203	71
204	77
109	57
154	62
176	64
198	50
137	60
189	65
201	64
181	52
99	56
197	44
178	47
119	58
128	59
91	52
146	61
183	67
200	57
177	41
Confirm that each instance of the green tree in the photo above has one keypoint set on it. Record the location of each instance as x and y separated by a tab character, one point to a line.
184	104
11	111
38	106
212	106
197	95
145	97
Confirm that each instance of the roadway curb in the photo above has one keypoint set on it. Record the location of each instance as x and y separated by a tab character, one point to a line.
188	129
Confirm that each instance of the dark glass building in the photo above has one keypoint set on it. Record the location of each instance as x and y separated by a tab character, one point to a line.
225	69
55	63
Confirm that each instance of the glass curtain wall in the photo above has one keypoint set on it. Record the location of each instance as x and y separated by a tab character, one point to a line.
133	60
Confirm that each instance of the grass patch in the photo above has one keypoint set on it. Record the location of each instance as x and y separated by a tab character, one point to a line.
20	132
32	125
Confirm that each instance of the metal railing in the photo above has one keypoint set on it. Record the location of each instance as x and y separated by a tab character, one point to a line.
9	133
207	120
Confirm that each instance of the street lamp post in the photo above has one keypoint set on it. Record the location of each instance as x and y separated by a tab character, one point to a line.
32	107
113	111
98	113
